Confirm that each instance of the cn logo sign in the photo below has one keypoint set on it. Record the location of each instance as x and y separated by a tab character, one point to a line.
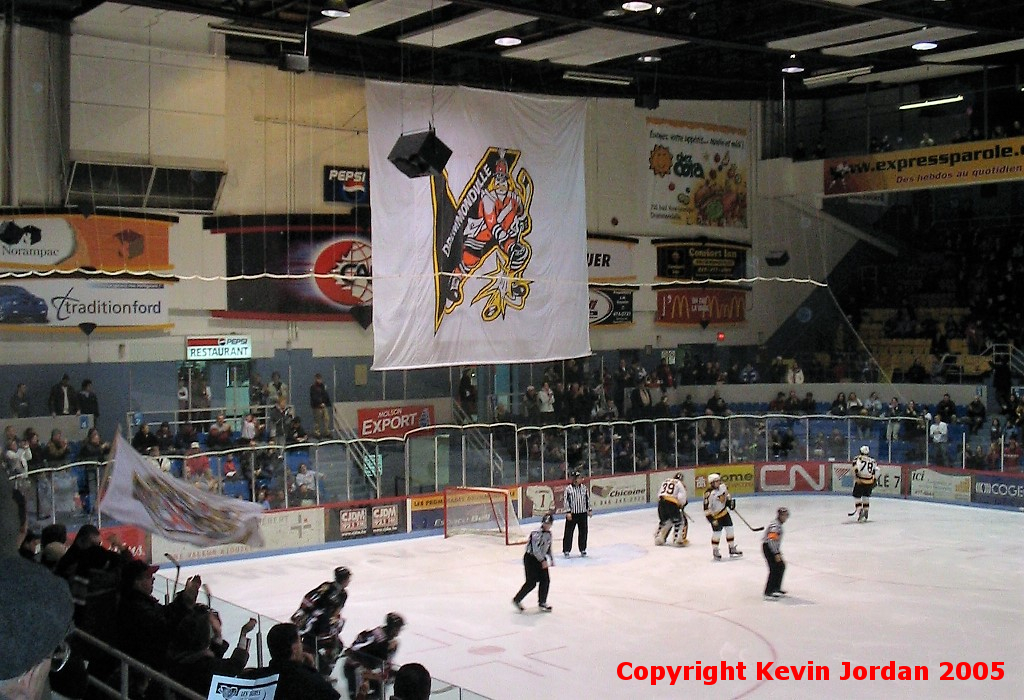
793	477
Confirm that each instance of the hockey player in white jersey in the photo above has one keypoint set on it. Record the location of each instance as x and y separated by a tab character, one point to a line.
865	475
717	504
671	512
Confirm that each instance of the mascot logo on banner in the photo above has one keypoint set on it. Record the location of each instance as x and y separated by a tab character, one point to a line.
484	231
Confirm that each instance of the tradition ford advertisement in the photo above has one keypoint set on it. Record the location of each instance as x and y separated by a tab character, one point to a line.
72	301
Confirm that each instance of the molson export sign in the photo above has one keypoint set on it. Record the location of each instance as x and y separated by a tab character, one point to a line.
393	421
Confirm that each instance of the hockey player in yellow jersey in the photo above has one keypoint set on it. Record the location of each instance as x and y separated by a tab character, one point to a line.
717	504
671	512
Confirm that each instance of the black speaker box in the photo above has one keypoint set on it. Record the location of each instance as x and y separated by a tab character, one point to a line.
420	153
777	258
363	315
647	101
294	63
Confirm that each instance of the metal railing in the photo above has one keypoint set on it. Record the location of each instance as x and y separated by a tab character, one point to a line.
430	458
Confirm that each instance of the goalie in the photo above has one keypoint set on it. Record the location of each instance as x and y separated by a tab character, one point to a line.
672	512
320	622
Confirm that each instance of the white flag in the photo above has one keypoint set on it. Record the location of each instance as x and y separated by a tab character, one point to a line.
485	263
140	494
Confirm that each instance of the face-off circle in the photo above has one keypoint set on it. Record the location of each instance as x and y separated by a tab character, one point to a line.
348	266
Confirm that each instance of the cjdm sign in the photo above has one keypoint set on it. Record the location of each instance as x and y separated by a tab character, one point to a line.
220	347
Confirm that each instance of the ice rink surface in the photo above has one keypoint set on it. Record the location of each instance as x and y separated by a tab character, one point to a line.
918	585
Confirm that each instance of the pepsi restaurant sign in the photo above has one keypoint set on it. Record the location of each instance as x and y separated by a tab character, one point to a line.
218	347
346	185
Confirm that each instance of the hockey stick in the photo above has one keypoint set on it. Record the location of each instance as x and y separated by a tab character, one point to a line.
855	511
177	573
752	528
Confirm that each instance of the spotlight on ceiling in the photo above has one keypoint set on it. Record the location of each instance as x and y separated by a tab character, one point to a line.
602	78
637	6
924	45
508	41
335	9
649	58
613	12
792	65
933	102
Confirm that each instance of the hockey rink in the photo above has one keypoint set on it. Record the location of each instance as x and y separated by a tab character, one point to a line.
926	586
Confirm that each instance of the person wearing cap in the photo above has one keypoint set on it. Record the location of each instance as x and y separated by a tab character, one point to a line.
368	662
144	626
577	513
536	561
771	547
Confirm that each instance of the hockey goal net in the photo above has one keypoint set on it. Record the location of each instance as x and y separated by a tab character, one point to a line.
482	511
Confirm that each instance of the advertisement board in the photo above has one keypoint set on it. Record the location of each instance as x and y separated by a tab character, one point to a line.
218	347
738	477
693	306
794	477
610	258
697	173
934	485
611	307
998	490
608	492
891	479
393	421
349	521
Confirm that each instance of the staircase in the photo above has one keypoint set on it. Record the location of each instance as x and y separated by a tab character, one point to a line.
478	446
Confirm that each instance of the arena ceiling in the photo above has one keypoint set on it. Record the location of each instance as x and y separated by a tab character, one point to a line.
696	49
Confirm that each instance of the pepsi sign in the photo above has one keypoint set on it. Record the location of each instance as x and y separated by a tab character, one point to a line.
346	185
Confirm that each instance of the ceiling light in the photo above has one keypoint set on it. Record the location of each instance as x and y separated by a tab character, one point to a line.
792	65
835	77
924	45
603	78
256	33
649	58
508	41
335	9
637	6
614	12
933	103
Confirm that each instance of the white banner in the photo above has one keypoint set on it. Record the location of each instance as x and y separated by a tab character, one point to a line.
485	263
940	486
140	494
69	302
697	173
610	259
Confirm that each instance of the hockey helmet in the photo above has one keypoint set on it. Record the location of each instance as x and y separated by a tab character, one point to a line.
783	511
713	477
678	475
548	519
865	450
393	622
576	474
342	574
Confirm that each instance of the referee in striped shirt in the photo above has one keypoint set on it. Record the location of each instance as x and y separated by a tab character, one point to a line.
577	511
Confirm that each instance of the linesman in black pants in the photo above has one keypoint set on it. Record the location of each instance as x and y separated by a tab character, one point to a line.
771	546
536	560
577	513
